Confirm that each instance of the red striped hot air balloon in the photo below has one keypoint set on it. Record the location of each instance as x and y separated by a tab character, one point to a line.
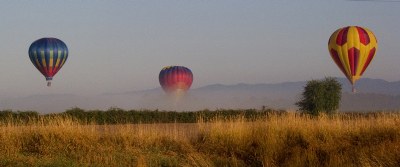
175	78
352	48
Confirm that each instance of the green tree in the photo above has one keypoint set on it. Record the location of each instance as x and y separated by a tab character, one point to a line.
320	96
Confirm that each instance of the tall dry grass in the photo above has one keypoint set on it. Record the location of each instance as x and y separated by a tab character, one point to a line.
274	140
294	140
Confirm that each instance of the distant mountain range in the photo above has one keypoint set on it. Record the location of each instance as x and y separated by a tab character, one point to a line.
372	94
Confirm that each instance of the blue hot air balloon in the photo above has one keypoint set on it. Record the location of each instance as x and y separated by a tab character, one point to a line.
48	55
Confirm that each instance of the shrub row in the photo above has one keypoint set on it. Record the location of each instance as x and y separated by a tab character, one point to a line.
120	116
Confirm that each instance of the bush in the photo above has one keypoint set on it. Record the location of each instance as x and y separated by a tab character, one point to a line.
320	96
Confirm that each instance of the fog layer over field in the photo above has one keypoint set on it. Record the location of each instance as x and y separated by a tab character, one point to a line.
373	94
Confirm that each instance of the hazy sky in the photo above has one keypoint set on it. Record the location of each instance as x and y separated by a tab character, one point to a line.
118	46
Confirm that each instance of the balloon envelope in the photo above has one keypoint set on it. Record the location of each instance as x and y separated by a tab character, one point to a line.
175	78
352	48
48	55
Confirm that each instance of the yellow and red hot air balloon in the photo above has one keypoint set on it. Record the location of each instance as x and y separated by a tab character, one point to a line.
175	79
352	48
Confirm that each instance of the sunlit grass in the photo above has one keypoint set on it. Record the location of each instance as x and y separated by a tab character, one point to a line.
287	139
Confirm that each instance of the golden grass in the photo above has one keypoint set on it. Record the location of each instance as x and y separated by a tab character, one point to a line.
274	140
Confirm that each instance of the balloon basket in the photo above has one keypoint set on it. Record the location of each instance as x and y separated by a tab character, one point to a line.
353	89
49	83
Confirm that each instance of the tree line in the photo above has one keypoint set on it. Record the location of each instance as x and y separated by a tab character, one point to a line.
121	116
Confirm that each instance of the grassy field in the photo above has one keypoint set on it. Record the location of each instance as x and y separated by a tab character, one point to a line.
288	139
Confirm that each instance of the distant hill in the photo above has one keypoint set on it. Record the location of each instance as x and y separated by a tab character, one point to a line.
375	86
372	94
